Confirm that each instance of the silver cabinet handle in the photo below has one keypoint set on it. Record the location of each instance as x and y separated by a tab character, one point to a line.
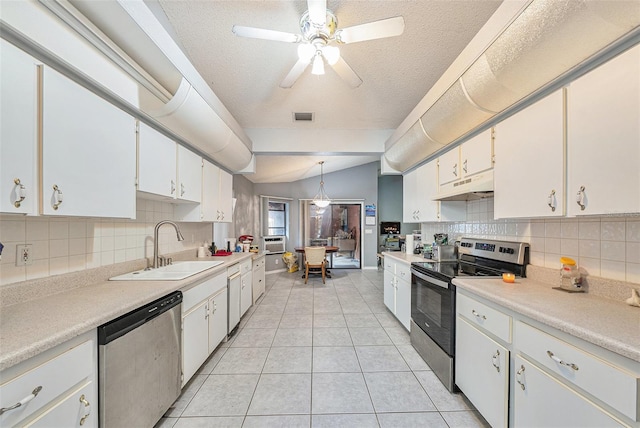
464	166
551	200
494	360
519	374
21	192
580	198
477	315
206	311
182	191
455	169
57	196
563	363
24	401
173	187
87	407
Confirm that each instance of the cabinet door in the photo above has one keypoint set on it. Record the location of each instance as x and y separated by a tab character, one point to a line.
88	153
18	130
390	291
217	319
258	281
409	196
403	303
541	401
529	164
195	340
603	121
225	203
476	154
482	372
156	162
449	166
210	191
77	409
245	293
189	175
235	286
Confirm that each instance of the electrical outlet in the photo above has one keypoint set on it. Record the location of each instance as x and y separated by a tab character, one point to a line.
277	261
24	256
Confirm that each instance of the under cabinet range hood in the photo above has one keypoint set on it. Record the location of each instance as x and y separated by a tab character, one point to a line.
478	186
521	52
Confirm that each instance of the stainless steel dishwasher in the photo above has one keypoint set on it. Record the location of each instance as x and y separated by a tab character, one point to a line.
139	364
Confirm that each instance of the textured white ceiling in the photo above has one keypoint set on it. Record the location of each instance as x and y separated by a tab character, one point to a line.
396	72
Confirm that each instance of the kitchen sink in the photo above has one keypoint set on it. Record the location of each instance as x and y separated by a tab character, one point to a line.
174	272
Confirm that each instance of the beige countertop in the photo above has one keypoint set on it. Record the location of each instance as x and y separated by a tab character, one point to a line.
34	326
610	324
404	257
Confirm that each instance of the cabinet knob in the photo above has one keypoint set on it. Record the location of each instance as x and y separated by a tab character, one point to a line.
57	197
495	361
519	379
581	198
21	192
87	407
551	200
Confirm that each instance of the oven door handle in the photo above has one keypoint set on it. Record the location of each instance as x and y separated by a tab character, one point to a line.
430	280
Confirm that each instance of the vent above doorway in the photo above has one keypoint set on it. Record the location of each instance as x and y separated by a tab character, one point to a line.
303	117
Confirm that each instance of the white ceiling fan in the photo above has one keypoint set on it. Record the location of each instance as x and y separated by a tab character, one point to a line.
319	34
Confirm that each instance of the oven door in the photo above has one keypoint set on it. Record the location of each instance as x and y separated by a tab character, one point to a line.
433	309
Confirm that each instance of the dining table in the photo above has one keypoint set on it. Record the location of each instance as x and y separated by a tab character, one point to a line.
329	249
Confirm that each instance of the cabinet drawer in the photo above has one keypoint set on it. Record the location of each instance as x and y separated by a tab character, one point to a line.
202	291
389	265
485	317
71	411
257	263
55	376
614	386
403	271
245	266
232	270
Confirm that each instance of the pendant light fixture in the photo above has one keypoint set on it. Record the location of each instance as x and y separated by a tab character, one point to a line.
321	199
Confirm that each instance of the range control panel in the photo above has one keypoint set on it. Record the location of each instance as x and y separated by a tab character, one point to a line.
512	252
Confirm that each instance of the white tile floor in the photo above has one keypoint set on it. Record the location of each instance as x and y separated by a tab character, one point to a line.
319	355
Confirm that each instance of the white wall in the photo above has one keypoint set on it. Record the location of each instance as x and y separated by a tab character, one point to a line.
69	244
607	247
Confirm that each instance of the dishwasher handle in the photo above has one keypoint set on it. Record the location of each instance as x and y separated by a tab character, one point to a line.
122	325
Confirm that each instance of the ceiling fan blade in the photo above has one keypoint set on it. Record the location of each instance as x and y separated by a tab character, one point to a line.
373	30
346	72
259	33
296	71
317	12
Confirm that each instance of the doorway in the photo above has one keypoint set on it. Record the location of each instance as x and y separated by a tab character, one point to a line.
337	225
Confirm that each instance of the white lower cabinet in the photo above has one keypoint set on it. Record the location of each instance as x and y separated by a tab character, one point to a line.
482	372
235	294
397	290
58	388
258	278
217	319
542	401
204	322
555	379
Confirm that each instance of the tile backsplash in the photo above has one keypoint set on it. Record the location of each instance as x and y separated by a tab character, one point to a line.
607	247
69	244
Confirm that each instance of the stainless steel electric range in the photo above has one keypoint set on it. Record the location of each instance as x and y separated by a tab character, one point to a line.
433	296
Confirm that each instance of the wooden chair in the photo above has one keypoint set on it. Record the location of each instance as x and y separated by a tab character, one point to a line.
314	258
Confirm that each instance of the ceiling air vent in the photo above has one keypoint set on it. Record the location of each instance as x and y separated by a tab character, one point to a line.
303	117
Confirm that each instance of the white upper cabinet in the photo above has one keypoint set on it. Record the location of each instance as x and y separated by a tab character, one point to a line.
420	187
470	158
603	138
225	200
189	175
88	152
529	161
157	164
18	131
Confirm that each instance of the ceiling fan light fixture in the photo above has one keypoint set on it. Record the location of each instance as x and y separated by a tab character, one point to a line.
321	199
331	53
318	65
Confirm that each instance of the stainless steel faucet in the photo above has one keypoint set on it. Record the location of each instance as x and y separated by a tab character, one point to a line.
156	256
